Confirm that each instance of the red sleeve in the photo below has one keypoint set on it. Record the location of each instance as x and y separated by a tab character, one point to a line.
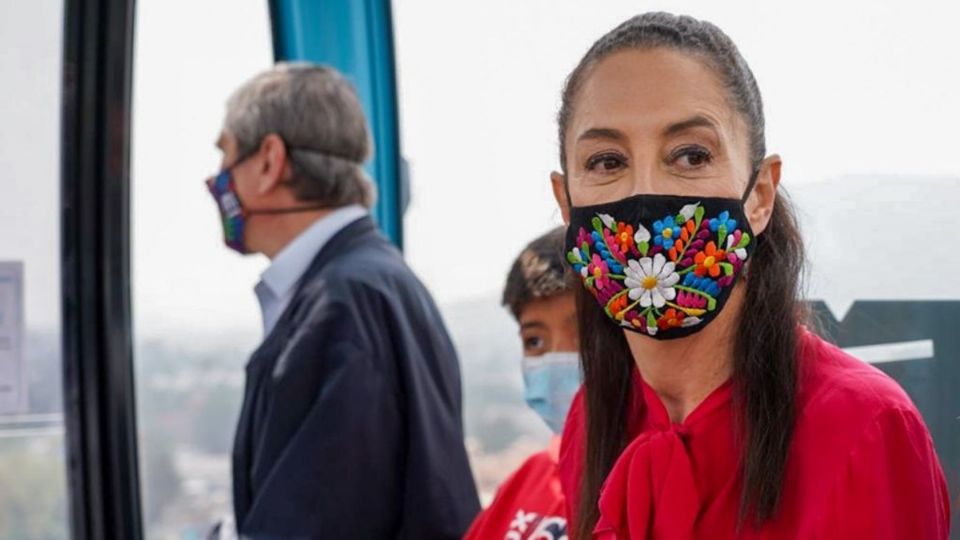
486	520
892	486
529	490
479	525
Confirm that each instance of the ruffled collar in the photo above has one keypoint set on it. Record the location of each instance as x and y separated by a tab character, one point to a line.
654	477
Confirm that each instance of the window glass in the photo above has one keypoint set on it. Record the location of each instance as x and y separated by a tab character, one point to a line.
33	496
195	315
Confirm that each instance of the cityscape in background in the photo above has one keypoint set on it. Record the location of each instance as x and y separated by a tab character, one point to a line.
189	393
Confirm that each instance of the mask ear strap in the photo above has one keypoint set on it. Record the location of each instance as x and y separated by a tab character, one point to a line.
325	153
750	184
566	189
295	210
271	211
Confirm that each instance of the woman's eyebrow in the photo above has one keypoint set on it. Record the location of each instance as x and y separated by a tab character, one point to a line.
690	123
672	129
602	133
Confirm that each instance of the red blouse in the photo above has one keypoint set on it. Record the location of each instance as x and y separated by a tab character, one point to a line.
529	504
861	465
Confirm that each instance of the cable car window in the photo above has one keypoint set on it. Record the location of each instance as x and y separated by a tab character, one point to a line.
33	496
195	316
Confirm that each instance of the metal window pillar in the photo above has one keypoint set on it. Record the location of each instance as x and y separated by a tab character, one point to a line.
95	257
356	38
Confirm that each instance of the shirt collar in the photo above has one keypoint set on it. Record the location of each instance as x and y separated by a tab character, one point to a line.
289	265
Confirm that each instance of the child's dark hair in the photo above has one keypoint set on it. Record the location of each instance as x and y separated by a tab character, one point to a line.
538	272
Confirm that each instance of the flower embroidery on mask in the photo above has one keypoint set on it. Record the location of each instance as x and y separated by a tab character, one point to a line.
665	279
667	232
651	281
709	261
599	271
724	221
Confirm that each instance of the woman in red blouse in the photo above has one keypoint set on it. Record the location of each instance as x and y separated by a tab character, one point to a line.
708	409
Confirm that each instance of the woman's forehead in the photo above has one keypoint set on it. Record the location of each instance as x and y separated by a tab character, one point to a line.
646	91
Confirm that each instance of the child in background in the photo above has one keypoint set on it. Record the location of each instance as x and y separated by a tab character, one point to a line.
530	503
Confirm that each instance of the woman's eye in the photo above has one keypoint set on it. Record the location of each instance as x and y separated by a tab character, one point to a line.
691	157
606	162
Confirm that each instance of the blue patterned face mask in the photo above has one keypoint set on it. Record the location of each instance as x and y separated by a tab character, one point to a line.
550	382
234	215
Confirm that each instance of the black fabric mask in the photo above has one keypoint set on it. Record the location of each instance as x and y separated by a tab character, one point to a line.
660	265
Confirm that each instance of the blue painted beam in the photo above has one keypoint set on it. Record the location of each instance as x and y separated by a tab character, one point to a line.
355	37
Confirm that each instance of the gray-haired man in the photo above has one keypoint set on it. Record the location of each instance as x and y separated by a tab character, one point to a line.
351	424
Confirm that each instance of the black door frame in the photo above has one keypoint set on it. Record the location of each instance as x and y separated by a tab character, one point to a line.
99	403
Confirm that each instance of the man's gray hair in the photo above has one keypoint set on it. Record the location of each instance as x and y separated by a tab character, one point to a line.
317	114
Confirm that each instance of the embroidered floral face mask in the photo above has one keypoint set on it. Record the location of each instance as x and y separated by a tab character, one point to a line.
661	265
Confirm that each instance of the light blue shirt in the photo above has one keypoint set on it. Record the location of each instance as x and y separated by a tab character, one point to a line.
278	281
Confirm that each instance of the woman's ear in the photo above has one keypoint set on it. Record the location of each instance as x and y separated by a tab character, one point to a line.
759	205
557	181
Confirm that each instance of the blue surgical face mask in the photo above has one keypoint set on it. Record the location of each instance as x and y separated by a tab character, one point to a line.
550	382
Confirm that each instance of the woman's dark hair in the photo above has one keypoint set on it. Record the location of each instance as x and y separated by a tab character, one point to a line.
764	369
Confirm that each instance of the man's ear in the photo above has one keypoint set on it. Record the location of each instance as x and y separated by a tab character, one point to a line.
558	182
274	163
759	206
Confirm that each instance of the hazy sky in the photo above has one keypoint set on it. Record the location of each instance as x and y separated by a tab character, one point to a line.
29	150
852	89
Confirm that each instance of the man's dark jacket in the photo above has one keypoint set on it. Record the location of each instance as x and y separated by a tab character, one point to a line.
351	424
